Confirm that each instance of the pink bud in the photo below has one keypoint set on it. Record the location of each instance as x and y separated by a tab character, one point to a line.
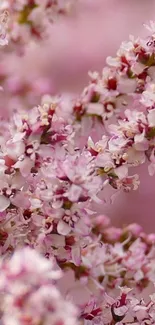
102	220
151	238
42	86
134	228
113	234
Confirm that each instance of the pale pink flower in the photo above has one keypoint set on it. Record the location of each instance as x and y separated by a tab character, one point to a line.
10	192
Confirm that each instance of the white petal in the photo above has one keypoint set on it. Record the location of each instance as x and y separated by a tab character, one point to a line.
151	169
151	118
121	172
63	228
95	108
126	85
76	255
21	201
4	203
24	166
74	193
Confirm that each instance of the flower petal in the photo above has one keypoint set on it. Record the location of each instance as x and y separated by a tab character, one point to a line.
4	203
63	228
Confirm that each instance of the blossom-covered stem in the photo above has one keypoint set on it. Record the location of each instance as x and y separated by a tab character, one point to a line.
49	179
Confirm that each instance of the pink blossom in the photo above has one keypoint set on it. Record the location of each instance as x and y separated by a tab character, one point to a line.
60	154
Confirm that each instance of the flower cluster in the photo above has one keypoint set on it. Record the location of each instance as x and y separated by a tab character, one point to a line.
123	82
110	257
43	172
33	18
52	171
123	309
131	143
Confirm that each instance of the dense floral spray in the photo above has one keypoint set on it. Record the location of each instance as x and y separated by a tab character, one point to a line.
58	156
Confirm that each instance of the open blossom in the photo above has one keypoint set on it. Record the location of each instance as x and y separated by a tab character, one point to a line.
10	192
